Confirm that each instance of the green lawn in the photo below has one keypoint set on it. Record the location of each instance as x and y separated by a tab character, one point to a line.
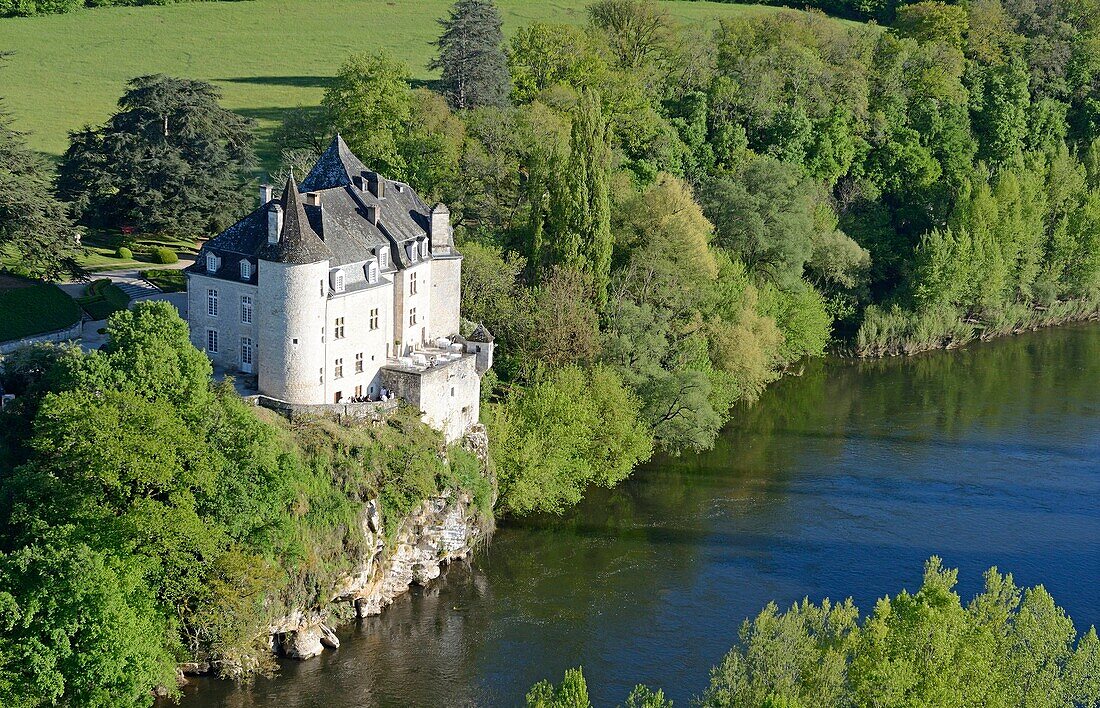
170	280
102	298
30	308
101	249
267	55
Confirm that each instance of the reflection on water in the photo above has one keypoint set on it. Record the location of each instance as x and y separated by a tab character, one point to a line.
839	482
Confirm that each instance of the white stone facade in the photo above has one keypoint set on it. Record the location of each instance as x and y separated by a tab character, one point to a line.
337	290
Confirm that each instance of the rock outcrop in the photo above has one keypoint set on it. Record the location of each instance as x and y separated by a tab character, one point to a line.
440	530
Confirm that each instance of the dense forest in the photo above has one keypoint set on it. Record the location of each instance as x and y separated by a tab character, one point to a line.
1008	646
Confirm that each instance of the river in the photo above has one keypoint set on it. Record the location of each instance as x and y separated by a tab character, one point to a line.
838	482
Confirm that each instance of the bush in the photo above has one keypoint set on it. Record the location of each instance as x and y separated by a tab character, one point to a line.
164	256
125	253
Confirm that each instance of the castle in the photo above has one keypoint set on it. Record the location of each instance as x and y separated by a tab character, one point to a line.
344	289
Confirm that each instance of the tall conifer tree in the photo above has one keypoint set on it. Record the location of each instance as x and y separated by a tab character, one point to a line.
34	226
471	56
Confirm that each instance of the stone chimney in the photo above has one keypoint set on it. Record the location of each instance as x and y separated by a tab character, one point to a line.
372	213
266	191
377	184
439	230
313	199
274	223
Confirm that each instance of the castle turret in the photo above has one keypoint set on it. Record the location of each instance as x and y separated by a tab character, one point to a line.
480	343
293	294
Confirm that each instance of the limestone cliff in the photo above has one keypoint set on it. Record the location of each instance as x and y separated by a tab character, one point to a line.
440	530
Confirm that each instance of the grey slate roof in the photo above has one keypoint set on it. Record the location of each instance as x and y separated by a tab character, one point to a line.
338	231
299	243
481	334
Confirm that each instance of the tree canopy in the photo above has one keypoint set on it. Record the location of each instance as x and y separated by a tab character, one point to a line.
170	160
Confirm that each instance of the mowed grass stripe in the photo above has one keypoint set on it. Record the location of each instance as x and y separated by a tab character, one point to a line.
268	56
35	309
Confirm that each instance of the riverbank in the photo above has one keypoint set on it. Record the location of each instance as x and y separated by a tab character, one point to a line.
897	332
838	482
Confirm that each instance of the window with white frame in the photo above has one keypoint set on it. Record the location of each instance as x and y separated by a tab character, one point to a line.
412	283
359	363
212	341
338	329
424	248
246	350
383	257
410	251
338	281
321	375
211	262
372	272
338	369
246	309
374	318
212	302
246	270
412	316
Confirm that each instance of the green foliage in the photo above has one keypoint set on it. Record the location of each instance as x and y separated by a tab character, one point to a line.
572	692
171	159
933	21
35	228
574	230
102	298
568	429
164	256
369	102
471	56
149	516
1006	647
125	253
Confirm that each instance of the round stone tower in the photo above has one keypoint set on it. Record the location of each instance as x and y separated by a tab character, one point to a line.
292	299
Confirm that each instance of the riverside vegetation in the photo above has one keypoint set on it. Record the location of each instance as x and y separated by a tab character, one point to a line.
657	220
1007	647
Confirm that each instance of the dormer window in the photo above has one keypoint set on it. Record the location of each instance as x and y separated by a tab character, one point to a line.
410	250
338	281
383	258
211	263
424	248
246	270
372	272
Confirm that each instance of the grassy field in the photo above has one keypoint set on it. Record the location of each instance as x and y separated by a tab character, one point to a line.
268	56
33	308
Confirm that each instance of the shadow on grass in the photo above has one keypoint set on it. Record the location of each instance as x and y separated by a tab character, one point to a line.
297	81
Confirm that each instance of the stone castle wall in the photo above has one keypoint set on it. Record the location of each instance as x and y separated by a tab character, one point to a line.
228	322
445	291
449	396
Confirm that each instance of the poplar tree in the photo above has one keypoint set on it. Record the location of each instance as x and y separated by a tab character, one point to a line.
577	233
471	56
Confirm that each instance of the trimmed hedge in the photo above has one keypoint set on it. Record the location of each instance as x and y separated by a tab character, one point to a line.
164	256
35	309
124	252
102	299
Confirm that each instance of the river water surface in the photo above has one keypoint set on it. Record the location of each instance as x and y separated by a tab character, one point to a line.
838	482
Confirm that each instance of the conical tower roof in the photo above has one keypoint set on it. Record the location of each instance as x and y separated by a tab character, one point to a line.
298	243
